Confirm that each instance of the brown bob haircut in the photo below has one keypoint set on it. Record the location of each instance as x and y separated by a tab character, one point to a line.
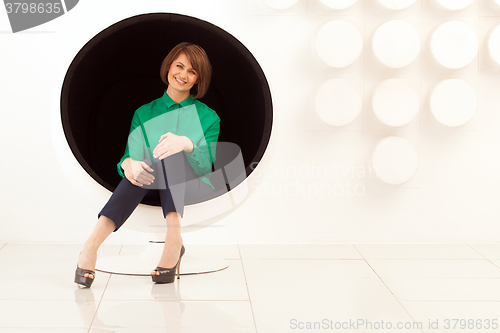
199	60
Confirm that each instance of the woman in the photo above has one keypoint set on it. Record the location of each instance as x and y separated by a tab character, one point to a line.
178	133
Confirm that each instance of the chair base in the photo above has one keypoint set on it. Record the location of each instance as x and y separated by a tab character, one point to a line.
143	264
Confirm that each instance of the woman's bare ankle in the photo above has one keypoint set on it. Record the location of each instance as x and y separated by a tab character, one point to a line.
173	239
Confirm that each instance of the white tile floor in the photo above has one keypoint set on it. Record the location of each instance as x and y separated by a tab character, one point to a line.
267	288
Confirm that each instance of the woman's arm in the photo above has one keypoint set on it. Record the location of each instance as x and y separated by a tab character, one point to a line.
137	172
135	147
171	144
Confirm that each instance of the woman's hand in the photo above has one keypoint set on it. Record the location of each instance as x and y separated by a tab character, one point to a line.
172	144
137	172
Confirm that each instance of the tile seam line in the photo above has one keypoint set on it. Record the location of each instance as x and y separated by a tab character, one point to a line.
102	296
126	300
245	301
429	259
387	287
483	256
32	327
443	277
270	259
164	300
248	291
451	300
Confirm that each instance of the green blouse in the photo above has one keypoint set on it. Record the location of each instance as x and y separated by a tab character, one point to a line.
190	118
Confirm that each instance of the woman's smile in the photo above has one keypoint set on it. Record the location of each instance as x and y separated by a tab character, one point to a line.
181	82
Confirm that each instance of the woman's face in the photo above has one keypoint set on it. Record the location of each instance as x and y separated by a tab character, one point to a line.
181	75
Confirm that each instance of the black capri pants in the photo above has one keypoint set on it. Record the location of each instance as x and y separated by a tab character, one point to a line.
174	179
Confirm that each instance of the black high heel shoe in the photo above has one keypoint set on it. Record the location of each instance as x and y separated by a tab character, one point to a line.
80	277
167	275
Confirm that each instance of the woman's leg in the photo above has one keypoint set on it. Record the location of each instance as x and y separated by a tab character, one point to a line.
119	207
180	180
87	259
172	202
173	242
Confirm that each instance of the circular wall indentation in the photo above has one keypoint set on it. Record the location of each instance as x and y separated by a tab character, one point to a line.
453	102
494	44
395	102
337	102
338	43
454	44
280	4
454	4
338	4
118	71
396	43
396	4
394	160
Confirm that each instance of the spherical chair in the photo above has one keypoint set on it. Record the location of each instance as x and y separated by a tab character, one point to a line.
118	70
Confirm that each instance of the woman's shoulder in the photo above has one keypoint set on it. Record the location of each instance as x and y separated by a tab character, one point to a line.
148	108
202	108
153	104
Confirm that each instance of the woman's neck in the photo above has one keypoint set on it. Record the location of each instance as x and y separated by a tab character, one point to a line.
177	96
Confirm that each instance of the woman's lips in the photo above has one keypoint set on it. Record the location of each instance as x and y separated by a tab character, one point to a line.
180	82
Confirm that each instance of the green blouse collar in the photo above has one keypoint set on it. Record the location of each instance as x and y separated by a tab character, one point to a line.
169	101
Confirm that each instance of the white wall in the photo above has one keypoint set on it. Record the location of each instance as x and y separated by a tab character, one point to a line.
453	197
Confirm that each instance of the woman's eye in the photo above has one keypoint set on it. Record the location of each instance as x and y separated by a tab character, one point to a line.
179	66
193	73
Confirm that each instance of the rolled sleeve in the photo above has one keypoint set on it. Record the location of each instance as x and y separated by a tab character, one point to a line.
119	166
203	154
